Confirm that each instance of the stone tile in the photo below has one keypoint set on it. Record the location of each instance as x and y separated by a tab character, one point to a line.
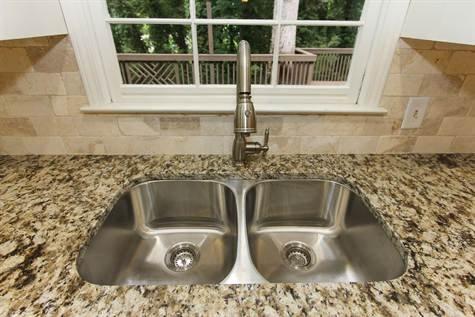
26	106
435	85
68	105
395	67
415	43
41	84
97	125
471	113
138	125
117	144
16	127
357	144
323	125
378	125
14	60
179	125
396	106
60	105
44	145
433	144
462	62
440	107
11	145
56	58
165	145
463	144
274	123
28	42
464	126
453	46
216	125
468	87
395	144
403	84
8	83
54	126
84	145
195	145
423	61
73	84
284	145
318	145
228	144
3	112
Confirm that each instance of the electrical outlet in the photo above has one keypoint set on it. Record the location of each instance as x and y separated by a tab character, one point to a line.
415	111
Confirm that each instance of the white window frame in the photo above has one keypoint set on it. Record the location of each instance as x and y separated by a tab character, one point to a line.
88	24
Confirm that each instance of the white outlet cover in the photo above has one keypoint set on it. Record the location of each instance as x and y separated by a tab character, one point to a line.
415	112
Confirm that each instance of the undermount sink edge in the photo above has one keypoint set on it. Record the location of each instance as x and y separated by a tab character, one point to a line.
224	243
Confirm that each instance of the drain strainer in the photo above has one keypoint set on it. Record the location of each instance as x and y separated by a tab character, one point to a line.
182	257
298	256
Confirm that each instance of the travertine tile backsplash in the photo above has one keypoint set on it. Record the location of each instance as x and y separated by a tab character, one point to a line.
41	93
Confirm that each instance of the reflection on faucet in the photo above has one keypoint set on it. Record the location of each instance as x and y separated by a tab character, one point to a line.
245	116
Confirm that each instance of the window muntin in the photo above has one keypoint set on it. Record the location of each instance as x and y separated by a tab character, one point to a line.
217	54
322	56
157	58
329	10
379	28
235	9
214	59
149	8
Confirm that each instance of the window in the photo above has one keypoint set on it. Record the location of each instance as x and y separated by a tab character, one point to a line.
180	55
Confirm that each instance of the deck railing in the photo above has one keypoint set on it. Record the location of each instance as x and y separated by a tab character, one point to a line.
332	64
306	67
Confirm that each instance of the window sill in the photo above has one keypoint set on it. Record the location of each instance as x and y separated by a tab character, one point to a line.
342	109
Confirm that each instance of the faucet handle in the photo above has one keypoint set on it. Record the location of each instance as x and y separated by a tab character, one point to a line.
265	146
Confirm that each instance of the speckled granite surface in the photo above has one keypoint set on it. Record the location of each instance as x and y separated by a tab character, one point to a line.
49	206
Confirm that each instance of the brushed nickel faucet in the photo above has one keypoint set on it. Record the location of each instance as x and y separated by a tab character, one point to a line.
244	115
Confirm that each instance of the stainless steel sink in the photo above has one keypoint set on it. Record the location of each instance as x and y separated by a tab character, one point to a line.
317	231
165	232
239	231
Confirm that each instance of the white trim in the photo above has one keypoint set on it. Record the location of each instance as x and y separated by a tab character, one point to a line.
212	90
371	13
275	50
81	31
219	109
232	21
382	52
194	39
89	27
147	21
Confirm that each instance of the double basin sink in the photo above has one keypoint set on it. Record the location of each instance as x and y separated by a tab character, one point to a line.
239	231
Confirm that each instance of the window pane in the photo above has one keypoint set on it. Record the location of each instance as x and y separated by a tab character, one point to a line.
217	45
315	55
154	54
148	8
235	9
327	9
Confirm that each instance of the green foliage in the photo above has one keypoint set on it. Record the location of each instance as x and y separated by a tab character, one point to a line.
150	38
177	38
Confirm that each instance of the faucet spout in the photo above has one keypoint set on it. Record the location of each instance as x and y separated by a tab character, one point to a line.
244	69
245	115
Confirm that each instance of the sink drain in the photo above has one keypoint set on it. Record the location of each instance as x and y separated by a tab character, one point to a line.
182	257
298	256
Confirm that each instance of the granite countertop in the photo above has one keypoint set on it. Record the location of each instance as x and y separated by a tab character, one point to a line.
50	206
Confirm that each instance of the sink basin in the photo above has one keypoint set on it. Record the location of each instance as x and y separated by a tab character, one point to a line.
317	231
239	231
165	232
